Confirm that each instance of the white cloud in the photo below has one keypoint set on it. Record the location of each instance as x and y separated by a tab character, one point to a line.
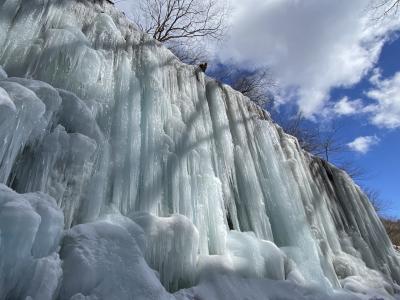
385	112
363	144
310	45
346	107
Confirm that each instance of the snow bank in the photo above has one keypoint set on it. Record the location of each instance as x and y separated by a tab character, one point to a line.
102	260
171	248
30	230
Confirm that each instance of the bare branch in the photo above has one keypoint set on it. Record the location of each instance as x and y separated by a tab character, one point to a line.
393	229
168	20
189	53
256	84
385	8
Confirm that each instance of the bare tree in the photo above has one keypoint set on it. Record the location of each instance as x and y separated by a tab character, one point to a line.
168	20
375	199
184	26
330	143
324	144
327	144
189	53
356	172
308	137
392	227
384	8
256	84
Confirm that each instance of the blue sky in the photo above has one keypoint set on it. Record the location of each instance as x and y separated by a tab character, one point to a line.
382	162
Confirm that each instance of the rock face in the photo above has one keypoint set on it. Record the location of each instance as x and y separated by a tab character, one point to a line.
146	165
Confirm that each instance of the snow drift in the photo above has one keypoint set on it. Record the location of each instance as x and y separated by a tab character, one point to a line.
124	174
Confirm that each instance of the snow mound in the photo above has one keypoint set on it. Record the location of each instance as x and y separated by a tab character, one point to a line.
30	230
103	260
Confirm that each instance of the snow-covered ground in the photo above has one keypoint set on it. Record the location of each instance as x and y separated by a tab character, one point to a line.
126	176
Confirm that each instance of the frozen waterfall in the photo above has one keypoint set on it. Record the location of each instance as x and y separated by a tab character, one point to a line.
125	174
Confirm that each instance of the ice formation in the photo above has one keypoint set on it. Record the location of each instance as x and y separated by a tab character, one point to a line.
126	175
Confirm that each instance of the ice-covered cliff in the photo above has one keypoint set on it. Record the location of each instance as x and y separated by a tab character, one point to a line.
117	160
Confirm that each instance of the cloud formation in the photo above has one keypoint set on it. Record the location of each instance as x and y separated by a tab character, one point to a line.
363	144
347	107
312	46
385	112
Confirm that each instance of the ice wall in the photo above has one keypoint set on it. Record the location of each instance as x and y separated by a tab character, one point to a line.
107	121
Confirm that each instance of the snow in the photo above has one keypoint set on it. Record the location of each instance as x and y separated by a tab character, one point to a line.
234	288
3	74
171	248
31	227
123	176
108	262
